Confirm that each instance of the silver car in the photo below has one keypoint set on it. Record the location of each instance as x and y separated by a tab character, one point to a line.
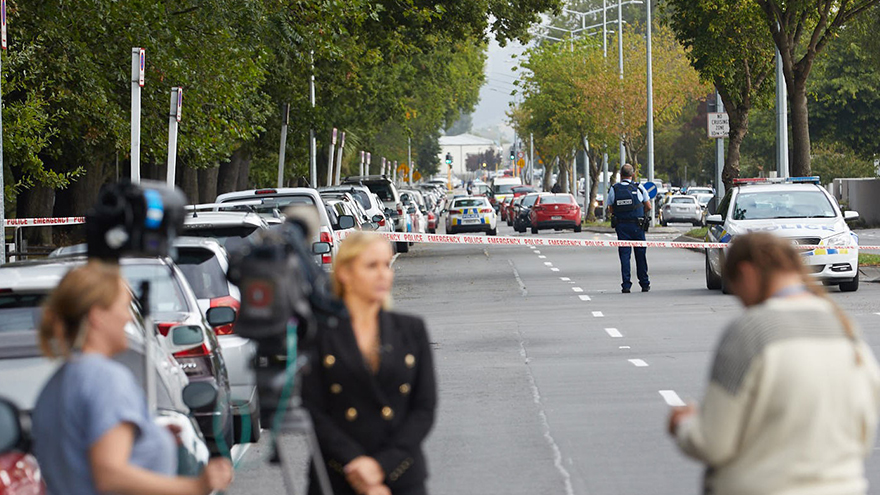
681	209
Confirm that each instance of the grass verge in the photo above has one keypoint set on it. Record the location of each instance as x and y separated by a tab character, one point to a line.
698	233
869	259
598	224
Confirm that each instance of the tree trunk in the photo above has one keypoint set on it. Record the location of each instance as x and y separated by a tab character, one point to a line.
800	129
36	202
739	126
548	173
562	176
208	184
84	191
595	162
244	172
227	175
189	183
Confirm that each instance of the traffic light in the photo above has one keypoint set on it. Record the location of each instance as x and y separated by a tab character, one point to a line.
449	159
512	154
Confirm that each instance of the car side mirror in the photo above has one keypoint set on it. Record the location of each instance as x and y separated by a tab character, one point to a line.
223	315
378	218
346	222
12	434
850	215
198	395
186	335
411	210
321	248
714	220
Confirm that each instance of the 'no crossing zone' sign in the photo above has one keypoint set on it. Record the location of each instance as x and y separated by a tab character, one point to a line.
718	125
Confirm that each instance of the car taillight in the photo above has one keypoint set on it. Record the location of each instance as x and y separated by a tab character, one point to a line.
399	209
382	222
455	212
327	258
265	191
200	351
225	301
486	210
164	328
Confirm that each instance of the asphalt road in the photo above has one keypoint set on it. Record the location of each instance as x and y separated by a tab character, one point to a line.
551	380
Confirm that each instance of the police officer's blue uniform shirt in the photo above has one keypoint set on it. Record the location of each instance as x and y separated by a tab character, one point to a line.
643	193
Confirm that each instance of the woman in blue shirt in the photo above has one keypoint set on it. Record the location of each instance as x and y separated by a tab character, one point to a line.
92	431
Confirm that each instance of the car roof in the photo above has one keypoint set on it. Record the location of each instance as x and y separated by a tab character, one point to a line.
777	187
201	242
265	192
39	275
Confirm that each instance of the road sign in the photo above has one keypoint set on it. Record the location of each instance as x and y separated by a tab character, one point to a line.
520	154
718	125
521	163
402	169
651	188
143	56
179	102
3	24
417	176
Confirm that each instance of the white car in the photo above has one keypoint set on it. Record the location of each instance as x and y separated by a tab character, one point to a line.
471	214
796	208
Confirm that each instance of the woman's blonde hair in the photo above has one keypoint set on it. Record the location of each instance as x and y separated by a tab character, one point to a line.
66	308
350	248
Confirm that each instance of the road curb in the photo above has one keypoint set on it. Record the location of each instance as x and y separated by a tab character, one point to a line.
684	238
654	230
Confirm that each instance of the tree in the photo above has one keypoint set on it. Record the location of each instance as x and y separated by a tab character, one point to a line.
727	44
791	23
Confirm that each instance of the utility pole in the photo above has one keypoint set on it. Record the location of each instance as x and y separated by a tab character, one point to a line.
409	158
339	159
531	158
586	178
620	66
781	120
313	144
719	153
361	169
2	187
173	121
285	118
369	162
138	63
650	85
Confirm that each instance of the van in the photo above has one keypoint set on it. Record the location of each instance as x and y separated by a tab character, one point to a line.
500	188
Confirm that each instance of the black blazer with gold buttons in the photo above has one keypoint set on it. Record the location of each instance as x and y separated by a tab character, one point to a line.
386	415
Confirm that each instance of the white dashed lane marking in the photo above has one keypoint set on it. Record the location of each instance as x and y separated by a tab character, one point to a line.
555	269
577	289
624	347
565	279
537	252
672	398
638	363
585	298
542	257
548	263
598	314
613	332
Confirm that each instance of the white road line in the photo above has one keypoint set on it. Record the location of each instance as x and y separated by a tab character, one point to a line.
577	289
672	398
598	314
394	258
547	263
239	455
613	332
585	298
537	252
609	235
531	247
542	257
565	279
878	314
522	286
638	363
624	347
555	269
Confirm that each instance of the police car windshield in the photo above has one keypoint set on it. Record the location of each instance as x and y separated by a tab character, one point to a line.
780	204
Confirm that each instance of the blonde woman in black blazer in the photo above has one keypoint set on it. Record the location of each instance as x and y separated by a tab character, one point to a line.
372	395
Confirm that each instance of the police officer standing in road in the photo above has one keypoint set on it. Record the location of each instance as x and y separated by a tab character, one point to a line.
629	204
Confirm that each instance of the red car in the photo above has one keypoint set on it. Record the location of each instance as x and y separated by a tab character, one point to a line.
20	475
555	211
504	209
432	222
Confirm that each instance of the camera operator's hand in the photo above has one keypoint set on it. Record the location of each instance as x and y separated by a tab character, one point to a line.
217	475
363	473
679	414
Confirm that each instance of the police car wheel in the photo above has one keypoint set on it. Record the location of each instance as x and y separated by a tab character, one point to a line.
534	230
851	286
402	247
492	232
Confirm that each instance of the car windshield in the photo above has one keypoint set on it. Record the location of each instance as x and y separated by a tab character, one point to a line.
781	204
557	200
165	293
704	198
229	237
687	201
530	200
505	188
203	272
20	312
480	189
469	203
270	204
381	189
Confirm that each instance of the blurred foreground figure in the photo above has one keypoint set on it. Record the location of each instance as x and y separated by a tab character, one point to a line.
792	403
373	394
92	430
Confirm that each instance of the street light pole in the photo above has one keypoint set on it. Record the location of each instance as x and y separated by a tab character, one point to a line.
650	88
620	66
313	144
781	120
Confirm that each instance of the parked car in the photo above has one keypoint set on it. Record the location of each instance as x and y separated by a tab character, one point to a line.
500	188
471	214
511	209
555	211
369	201
390	197
681	209
279	199
204	263
342	215
414	210
522	212
362	221
231	229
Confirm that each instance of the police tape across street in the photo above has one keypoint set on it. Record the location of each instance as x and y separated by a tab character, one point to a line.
478	239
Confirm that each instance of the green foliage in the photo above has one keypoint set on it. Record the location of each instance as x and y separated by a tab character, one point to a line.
838	162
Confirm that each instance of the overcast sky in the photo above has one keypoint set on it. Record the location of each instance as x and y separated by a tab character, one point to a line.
495	95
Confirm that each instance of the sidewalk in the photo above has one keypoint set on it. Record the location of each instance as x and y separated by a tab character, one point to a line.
867	273
654	230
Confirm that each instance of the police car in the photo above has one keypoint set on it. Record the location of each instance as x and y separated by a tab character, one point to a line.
471	214
796	208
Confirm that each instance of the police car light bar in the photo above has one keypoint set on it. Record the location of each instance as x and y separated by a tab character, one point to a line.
778	180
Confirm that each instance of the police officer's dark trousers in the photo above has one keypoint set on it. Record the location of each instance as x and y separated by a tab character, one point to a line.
630	231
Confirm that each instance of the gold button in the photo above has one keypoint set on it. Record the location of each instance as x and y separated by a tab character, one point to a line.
410	360
404	389
351	414
387	413
335	388
329	361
